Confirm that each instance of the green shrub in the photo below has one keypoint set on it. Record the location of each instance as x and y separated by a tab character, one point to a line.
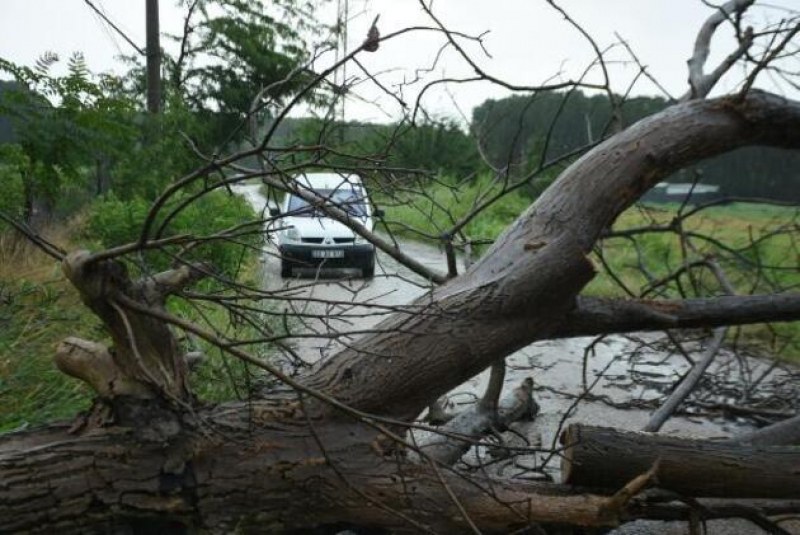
112	222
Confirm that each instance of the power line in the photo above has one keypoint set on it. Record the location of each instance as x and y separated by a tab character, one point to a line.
108	33
115	27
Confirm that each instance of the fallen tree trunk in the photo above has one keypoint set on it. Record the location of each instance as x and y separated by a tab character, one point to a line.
607	458
786	432
222	473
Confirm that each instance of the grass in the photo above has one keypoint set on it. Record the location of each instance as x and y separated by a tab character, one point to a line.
39	308
425	217
742	238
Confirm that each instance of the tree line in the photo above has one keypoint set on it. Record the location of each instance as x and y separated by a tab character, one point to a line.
517	131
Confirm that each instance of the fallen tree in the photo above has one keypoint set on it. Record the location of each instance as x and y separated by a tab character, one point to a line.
217	468
330	446
602	457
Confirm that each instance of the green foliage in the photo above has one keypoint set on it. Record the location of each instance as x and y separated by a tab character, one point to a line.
521	131
65	125
147	167
14	164
434	147
448	200
236	49
113	222
438	147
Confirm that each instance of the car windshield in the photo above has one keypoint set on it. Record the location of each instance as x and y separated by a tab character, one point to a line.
348	200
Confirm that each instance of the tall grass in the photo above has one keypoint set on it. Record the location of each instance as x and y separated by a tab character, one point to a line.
37	310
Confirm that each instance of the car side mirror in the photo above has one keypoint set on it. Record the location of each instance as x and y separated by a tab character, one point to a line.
379	213
274	212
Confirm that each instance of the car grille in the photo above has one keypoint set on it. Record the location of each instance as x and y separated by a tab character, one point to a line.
320	240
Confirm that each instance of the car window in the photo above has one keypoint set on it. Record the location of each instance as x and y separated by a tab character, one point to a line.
347	199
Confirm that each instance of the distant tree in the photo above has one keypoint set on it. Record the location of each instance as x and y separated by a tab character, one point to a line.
231	50
438	147
65	124
515	127
513	132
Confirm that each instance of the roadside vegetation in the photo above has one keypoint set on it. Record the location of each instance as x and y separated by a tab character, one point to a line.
38	310
81	165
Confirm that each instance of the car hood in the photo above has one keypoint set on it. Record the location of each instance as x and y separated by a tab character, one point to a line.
322	227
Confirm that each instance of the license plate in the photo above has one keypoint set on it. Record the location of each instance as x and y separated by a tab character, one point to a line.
328	253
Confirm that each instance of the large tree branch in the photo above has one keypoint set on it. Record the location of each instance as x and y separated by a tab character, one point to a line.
593	315
608	458
530	277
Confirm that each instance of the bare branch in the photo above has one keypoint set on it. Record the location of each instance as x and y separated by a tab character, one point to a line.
700	83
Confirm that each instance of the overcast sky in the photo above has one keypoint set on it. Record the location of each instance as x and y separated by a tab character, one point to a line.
528	41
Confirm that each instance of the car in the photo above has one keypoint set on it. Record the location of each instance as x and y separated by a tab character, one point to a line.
307	238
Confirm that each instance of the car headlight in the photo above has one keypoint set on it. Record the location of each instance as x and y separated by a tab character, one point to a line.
292	234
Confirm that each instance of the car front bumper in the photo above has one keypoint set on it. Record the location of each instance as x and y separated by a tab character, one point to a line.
303	256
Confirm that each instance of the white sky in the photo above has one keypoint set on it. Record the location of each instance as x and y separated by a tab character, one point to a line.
529	42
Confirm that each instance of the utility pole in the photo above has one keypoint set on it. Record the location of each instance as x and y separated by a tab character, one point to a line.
153	59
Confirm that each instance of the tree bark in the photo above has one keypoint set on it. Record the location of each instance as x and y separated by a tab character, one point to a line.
784	433
592	315
606	458
226	474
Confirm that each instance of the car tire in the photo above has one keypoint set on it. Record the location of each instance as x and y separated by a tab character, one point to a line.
286	268
368	270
